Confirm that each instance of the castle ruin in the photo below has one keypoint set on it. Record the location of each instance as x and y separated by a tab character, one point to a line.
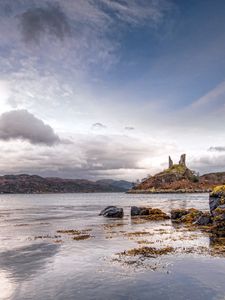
182	161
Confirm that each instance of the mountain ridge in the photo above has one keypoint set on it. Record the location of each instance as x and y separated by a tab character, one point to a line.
35	184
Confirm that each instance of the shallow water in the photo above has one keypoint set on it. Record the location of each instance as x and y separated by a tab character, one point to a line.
36	262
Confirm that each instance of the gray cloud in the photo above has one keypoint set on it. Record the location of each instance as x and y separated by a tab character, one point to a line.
20	124
41	20
208	163
97	126
129	128
217	149
91	157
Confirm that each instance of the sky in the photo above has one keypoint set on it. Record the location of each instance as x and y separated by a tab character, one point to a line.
110	88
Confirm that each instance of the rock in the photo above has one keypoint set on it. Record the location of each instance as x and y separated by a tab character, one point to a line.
139	211
185	215
112	212
214	202
105	209
217	209
217	197
204	219
192	216
178	213
156	214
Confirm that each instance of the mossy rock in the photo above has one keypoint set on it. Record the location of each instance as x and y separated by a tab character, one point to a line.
187	216
156	214
218	191
178	213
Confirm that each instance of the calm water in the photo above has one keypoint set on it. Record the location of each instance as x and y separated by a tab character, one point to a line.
35	263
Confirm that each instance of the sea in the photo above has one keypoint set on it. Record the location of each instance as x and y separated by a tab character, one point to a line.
41	257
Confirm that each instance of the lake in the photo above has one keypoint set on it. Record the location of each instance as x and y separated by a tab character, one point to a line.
40	258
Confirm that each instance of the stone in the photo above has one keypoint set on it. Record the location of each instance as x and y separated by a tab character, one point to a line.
217	197
139	211
170	162
214	202
204	219
178	213
112	212
182	161
217	210
192	216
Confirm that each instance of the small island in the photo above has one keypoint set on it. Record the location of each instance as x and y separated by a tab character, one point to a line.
178	178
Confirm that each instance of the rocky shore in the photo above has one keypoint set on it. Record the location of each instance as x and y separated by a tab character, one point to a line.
213	220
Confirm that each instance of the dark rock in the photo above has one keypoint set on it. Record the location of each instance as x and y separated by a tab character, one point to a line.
178	213
217	197
139	211
217	209
106	209
112	212
204	219
214	202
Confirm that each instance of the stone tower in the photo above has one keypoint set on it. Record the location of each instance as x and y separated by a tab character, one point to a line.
170	162
182	161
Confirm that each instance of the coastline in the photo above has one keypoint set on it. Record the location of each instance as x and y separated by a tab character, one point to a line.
169	192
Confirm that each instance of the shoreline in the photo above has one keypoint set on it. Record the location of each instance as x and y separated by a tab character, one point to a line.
169	192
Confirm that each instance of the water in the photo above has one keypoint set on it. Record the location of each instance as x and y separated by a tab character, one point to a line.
36	262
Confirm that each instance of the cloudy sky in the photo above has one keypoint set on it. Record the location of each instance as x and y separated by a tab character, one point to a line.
109	88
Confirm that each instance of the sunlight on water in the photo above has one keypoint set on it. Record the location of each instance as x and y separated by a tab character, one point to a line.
6	286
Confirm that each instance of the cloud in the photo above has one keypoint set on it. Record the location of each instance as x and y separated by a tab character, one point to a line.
68	42
129	128
20	124
208	163
41	20
217	149
212	98
91	157
134	12
97	126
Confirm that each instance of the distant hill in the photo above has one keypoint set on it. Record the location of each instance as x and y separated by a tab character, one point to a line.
31	184
120	184
179	178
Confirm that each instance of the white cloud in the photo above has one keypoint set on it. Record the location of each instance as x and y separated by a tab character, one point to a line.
211	98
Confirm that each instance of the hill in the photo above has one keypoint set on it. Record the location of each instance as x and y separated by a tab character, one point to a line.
178	178
33	184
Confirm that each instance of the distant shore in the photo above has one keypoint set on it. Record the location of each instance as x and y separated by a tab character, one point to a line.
168	191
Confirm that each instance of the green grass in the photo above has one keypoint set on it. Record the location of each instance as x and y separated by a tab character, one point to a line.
176	169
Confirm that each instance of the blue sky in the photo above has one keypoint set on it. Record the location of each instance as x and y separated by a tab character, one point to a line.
122	84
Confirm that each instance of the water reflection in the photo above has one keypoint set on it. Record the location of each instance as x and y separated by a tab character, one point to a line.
84	269
23	263
6	286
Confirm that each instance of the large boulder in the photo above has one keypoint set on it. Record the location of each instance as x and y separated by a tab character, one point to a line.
112	212
139	211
